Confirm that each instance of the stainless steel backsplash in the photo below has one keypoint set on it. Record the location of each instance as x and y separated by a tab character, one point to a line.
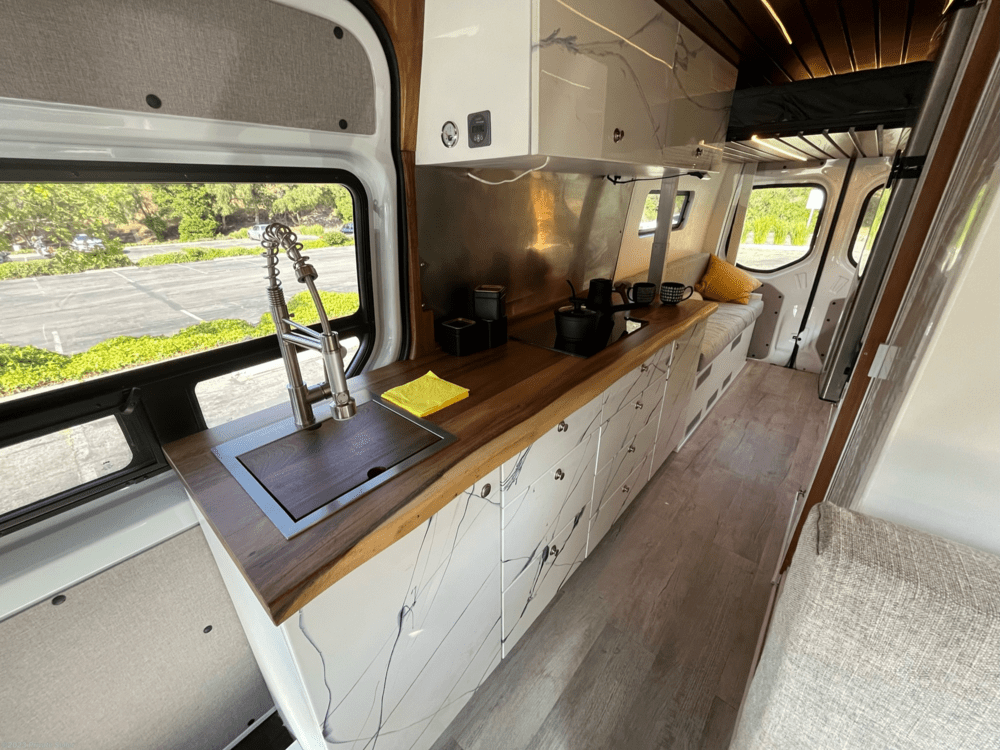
530	235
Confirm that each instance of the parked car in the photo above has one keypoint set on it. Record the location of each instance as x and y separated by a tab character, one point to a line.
86	244
257	231
348	228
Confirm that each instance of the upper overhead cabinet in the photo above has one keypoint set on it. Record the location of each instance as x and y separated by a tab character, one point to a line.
596	86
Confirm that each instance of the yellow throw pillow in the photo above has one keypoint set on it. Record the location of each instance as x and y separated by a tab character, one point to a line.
724	282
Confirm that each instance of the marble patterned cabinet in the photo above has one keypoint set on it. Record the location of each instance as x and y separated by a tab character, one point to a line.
388	655
547	489
680	386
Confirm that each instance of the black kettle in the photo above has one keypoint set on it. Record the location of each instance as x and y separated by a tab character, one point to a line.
576	322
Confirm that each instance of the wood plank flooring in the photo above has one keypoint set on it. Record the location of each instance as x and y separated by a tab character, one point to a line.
650	643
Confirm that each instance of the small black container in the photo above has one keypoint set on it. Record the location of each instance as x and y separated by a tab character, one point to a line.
490	301
461	336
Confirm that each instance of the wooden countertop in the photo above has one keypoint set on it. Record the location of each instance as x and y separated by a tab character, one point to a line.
517	393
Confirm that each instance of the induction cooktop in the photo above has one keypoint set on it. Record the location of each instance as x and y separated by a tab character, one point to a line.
544	335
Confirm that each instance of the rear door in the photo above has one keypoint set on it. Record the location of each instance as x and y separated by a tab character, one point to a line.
789	220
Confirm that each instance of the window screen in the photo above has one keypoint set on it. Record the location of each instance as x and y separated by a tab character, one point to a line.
780	226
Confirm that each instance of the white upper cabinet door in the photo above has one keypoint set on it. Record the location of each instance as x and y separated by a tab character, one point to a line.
587	84
603	87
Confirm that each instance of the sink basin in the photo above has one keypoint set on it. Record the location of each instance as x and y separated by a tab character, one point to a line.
300	477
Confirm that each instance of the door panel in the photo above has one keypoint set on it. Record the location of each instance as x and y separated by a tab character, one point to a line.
786	290
839	274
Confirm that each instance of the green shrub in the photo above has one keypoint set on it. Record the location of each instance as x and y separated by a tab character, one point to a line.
196	228
310	229
68	261
337	239
25	367
239	234
194	254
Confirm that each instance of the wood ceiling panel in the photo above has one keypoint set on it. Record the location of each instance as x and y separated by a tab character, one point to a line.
753	15
827	19
805	35
926	18
858	16
893	29
754	53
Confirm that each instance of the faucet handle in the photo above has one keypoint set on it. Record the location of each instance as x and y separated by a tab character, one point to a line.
304	330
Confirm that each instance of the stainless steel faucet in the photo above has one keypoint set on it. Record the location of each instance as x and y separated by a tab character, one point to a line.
291	334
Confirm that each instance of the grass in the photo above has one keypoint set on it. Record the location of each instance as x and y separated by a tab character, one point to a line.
23	368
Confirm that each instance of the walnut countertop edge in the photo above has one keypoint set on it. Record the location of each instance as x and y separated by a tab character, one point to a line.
517	393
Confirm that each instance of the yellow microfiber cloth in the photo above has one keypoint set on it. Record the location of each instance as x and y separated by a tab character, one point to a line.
425	395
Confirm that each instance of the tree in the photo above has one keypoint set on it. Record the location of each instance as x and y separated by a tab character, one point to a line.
224	203
54	212
302	199
344	202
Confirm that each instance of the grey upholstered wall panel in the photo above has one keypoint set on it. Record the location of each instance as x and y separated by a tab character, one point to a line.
240	60
124	662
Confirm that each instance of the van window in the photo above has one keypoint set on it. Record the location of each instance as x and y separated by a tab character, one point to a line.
153	290
780	226
868	226
682	206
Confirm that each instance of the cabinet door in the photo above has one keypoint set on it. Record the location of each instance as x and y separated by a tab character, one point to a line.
389	654
531	520
534	588
628	388
619	431
616	503
531	463
611	476
678	392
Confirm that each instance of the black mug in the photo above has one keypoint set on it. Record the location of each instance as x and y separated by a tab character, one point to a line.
671	292
644	292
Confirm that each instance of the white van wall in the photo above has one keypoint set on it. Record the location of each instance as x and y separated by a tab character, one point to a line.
940	469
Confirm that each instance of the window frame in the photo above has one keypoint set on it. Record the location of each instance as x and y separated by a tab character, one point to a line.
860	221
685	211
156	404
815	234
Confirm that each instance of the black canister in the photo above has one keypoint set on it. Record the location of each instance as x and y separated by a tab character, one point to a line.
490	301
460	336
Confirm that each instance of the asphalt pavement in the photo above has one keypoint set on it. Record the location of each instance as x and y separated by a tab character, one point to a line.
71	313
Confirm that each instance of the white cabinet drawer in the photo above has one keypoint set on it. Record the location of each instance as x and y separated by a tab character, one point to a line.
627	389
619	431
612	476
616	503
552	501
531	591
528	465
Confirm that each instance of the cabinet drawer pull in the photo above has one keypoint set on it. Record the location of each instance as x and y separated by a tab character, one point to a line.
486	490
559	475
638	405
644	368
555	551
625	489
631	449
562	427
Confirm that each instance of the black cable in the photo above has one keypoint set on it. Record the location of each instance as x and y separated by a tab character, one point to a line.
617	180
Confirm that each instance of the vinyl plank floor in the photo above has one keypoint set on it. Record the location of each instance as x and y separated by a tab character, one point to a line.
649	645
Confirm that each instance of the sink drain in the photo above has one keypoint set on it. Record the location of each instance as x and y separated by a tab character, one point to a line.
375	471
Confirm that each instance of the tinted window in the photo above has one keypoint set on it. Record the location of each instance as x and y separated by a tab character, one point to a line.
780	226
868	226
682	203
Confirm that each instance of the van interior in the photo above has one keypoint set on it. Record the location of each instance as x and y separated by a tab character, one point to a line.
423	374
